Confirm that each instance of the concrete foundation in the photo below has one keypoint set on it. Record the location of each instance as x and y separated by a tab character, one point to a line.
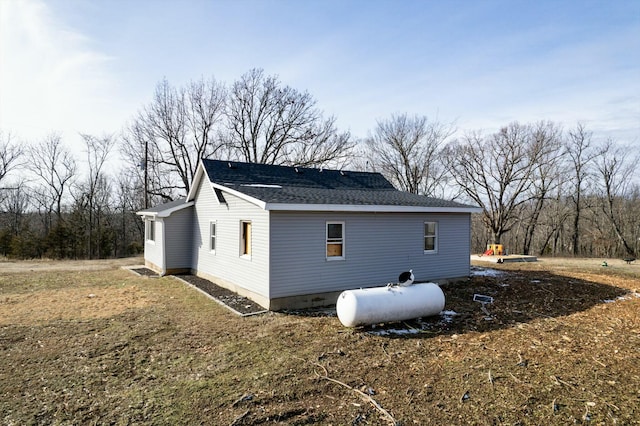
503	259
315	300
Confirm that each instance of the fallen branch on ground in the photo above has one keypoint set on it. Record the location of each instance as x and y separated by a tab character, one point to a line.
363	395
238	419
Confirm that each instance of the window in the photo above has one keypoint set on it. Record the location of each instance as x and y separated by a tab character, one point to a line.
212	236
335	240
430	237
150	229
245	238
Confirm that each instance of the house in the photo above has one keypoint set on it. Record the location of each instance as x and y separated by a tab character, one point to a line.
290	237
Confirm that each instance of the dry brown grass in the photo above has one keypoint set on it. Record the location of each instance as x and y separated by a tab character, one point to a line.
154	351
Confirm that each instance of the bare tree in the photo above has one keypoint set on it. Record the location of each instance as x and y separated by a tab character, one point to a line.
15	206
55	167
272	124
130	229
10	157
553	219
496	173
170	135
95	191
206	101
581	152
408	151
616	169
329	147
157	182
545	175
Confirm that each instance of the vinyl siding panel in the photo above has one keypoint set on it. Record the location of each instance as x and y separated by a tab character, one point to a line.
378	247
153	249
226	262
178	237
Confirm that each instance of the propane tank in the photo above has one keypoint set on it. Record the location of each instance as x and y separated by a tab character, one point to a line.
386	304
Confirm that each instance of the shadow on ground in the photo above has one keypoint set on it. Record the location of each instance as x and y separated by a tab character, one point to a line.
519	297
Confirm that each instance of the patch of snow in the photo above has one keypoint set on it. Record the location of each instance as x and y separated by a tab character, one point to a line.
447	316
419	325
396	331
623	297
485	272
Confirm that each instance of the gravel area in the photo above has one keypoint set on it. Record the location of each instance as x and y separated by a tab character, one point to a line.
146	272
240	304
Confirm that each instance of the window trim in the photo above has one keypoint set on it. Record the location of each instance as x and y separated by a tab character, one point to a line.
434	236
341	240
246	248
213	235
150	230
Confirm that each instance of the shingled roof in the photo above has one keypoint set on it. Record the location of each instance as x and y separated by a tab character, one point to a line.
164	210
281	187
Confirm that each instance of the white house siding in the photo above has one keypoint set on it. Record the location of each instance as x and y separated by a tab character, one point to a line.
226	263
178	237
378	247
153	255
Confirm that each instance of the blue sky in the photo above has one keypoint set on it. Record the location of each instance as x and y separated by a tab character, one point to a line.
87	66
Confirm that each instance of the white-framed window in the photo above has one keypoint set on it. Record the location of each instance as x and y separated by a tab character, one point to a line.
150	229
335	241
245	238
430	237
212	236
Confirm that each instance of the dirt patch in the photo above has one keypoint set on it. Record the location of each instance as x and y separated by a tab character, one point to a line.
7	266
69	304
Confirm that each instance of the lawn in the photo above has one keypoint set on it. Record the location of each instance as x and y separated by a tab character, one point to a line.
102	345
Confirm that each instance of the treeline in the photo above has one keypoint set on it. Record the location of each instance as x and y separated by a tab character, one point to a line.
543	189
54	210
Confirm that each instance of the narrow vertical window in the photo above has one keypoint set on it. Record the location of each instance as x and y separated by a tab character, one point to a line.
335	240
150	229
212	236
245	238
430	237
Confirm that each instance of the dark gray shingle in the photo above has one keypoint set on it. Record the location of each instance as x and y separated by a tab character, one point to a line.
290	185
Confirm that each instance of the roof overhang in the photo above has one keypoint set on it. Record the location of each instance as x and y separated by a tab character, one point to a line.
164	213
195	183
367	208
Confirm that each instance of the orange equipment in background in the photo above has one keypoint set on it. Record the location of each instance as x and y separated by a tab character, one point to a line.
494	250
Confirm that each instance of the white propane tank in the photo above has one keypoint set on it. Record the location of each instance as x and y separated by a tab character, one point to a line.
385	304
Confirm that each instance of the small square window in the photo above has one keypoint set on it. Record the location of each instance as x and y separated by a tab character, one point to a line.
335	240
430	237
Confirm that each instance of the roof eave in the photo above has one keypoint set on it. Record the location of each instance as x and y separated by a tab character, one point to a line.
368	208
195	182
165	213
240	195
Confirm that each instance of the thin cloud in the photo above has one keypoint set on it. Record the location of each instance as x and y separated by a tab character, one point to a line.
52	79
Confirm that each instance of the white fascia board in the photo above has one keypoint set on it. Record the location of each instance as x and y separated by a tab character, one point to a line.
195	183
240	195
144	214
168	212
368	208
165	213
